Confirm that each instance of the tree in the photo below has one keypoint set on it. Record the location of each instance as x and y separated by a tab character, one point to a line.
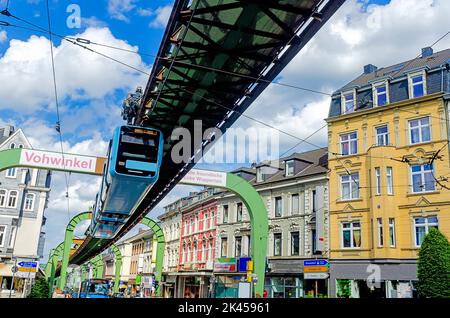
344	288
434	266
40	288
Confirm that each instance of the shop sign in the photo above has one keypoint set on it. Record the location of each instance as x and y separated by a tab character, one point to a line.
225	265
243	261
315	276
315	269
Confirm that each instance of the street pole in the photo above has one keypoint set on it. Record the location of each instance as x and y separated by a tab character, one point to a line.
13	274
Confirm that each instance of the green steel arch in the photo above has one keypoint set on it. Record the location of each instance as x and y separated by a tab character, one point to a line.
161	242
68	239
52	263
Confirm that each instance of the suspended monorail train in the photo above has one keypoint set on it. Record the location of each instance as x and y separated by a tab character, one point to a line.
132	167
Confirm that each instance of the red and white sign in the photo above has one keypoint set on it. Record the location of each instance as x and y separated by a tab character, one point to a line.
57	161
205	177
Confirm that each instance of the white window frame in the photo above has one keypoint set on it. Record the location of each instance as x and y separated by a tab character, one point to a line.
410	83
227	219
392	237
275	206
12	236
288	162
9	175
385	136
422	177
343	101
32	202
223	239
292	204
375	93
352	184
15	201
351	229
419	127
377	181
349	141
281	243
389	180
236	239
5	201
427	226
380	232
12	145
3	239
291	245
239	215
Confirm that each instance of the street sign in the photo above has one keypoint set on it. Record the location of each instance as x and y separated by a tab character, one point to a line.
27	264
315	262
315	269
315	276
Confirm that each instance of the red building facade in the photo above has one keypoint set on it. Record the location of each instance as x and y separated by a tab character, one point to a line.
198	236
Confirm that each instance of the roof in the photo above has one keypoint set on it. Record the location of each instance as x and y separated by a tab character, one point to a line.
398	70
139	236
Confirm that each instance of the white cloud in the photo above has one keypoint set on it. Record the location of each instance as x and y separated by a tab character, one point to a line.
162	16
27	79
93	22
144	12
3	36
118	8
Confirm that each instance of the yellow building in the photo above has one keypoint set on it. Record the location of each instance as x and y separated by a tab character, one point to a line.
385	128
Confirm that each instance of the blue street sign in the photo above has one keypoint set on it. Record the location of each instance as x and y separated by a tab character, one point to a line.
315	262
27	264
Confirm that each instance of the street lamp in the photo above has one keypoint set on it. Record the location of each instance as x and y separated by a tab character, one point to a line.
13	270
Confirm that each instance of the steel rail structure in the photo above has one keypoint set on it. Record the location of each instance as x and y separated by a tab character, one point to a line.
249	37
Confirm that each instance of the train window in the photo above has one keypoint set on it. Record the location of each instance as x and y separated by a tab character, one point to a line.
135	146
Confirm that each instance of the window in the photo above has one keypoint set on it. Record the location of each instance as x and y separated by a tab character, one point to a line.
225	214
12	199
11	173
278	207
295	204
206	220
417	86
277	244
380	231
224	247
382	135
289	168
12	145
238	246
21	146
421	227
349	103
380	96
2	234
392	232
389	183
419	130
295	243
239	212
351	235
3	194
350	186
422	178
377	181
314	201
349	144
29	202
12	237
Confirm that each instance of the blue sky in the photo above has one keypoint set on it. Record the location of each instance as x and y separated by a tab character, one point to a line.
91	88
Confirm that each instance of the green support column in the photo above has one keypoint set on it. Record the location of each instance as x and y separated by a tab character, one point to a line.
83	273
68	239
161	242
53	260
259	225
118	267
97	265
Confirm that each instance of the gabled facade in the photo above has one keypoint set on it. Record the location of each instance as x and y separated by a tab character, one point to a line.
385	127
23	198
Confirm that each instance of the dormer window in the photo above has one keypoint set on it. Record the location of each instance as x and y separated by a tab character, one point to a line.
417	85
289	168
348	101
12	145
380	94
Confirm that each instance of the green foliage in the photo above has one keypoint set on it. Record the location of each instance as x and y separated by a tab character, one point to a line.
344	288
434	266
40	289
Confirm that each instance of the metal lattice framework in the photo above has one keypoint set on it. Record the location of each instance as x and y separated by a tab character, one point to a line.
216	57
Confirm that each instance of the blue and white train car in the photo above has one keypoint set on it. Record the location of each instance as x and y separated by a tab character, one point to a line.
134	159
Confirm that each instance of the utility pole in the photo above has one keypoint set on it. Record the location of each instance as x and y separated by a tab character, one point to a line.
13	270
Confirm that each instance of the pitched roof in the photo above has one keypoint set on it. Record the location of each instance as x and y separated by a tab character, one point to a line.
398	70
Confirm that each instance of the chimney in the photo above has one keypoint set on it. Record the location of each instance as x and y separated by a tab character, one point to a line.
369	68
427	51
8	131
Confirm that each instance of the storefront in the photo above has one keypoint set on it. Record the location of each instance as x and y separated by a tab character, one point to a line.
193	285
168	286
366	279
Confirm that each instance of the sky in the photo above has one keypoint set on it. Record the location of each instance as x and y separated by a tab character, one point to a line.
91	88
